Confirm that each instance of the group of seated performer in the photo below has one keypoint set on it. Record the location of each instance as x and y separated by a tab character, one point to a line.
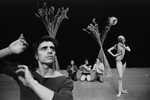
87	72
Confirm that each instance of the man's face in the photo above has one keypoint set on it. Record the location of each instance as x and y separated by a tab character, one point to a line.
97	60
86	62
72	62
124	40
46	52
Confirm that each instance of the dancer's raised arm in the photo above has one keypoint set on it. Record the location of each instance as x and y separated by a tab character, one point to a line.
120	65
126	47
15	47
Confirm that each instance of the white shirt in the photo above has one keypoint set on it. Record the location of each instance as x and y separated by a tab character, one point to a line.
99	67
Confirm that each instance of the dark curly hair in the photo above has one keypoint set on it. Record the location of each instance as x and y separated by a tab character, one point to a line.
44	38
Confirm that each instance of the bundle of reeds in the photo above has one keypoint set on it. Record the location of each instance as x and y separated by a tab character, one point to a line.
51	20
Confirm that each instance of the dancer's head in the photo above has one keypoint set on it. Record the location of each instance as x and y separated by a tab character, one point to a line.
121	39
98	60
45	50
86	61
72	62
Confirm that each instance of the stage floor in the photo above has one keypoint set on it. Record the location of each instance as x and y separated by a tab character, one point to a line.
135	80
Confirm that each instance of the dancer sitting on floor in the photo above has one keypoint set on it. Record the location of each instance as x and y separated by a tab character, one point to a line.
85	68
120	47
72	71
98	68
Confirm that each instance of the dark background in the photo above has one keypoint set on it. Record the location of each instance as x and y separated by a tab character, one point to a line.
18	16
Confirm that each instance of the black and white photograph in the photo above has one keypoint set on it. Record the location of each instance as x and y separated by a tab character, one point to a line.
74	50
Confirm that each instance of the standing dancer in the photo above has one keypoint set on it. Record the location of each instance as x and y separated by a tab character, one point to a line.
121	66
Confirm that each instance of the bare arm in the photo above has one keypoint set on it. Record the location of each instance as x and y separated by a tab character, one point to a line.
94	67
110	51
126	47
88	68
5	52
15	47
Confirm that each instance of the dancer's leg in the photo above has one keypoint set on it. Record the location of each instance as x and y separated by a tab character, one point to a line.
123	70
88	77
101	77
83	78
124	67
119	69
75	77
93	76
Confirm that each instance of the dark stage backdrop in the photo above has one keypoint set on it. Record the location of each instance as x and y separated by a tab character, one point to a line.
18	16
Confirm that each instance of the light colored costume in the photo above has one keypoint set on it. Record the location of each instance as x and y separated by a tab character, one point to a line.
85	72
99	71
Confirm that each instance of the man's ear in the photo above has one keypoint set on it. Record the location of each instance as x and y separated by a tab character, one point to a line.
36	57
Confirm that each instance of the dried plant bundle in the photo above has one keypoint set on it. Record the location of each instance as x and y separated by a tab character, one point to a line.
51	20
